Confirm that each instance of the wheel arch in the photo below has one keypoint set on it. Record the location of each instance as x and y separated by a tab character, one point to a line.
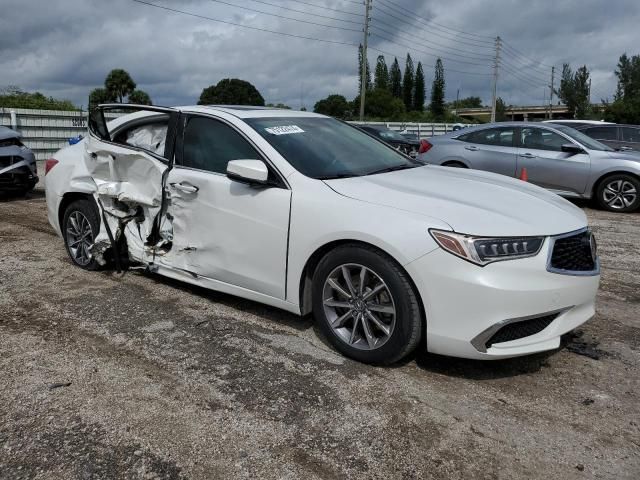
70	197
605	175
305	285
451	161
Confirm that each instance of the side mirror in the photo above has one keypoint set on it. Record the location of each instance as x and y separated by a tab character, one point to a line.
248	171
571	148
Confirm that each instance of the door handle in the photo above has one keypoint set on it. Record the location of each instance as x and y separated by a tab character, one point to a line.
527	155
185	187
471	147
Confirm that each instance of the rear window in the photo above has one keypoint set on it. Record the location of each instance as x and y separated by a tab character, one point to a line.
602	133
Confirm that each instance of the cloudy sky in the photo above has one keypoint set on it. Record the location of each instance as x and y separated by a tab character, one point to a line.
64	48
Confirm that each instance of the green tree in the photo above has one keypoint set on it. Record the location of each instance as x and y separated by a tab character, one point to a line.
368	77
334	106
468	102
119	84
626	105
278	105
98	96
381	104
437	105
419	90
14	97
381	74
501	110
231	91
407	83
140	97
395	79
574	91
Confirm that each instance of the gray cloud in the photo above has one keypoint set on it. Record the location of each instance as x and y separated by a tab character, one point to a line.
65	48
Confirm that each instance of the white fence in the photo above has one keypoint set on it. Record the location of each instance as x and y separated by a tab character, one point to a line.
47	131
423	130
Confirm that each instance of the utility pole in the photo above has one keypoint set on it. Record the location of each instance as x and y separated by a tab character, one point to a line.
457	100
553	72
496	64
363	80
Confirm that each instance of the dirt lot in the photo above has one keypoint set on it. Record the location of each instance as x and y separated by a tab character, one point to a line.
103	376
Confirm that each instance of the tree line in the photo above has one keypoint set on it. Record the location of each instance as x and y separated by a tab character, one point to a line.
391	94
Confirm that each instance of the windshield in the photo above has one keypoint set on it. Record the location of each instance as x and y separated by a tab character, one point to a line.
326	148
391	135
588	142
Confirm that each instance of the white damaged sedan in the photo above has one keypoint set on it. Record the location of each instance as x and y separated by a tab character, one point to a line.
308	214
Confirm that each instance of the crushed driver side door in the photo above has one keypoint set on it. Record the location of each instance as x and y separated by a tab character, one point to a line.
128	167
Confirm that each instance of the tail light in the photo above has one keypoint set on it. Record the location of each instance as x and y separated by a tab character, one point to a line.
49	164
424	146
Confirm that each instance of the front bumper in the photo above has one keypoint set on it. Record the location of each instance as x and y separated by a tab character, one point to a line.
463	302
17	169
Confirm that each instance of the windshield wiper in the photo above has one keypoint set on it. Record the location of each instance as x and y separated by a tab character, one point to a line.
338	175
393	169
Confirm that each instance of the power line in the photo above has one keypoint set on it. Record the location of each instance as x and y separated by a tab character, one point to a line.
518	52
426	65
424	52
398	8
303	12
417	25
476	57
204	17
432	48
285	17
528	63
532	73
328	8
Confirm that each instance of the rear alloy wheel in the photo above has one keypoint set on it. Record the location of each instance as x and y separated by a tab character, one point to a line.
80	226
619	193
365	305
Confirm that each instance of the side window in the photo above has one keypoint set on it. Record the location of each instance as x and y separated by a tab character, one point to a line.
210	144
151	137
540	139
602	133
630	134
501	137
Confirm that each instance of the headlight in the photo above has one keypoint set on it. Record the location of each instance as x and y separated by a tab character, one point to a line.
484	250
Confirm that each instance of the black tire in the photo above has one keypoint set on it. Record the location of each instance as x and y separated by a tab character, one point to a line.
605	194
88	210
408	326
454	165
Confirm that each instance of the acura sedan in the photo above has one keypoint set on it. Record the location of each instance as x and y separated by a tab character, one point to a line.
556	157
311	215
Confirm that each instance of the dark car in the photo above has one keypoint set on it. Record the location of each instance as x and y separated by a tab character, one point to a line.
618	137
406	145
18	172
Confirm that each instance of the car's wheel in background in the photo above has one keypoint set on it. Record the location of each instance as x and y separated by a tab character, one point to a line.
365	305
454	164
80	225
619	193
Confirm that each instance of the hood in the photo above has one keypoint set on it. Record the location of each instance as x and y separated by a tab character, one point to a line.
6	133
470	201
629	155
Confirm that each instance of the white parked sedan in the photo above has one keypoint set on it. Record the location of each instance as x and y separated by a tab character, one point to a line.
308	214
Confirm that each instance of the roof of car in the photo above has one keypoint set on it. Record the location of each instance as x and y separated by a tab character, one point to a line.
248	111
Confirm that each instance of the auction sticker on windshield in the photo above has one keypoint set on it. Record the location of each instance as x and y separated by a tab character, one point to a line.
284	130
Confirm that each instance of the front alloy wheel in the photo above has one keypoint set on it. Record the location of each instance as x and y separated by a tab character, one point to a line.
365	304
359	306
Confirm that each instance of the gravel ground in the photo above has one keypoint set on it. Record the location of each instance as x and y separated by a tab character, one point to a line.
136	376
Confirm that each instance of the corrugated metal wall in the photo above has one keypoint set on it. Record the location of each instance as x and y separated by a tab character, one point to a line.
47	131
